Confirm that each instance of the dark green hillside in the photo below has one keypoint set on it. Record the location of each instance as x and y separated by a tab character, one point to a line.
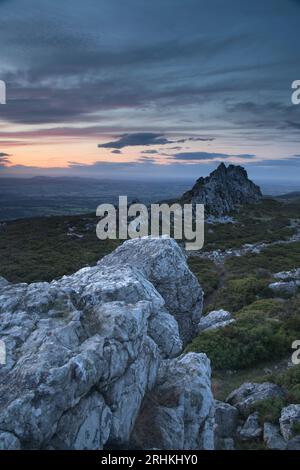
40	249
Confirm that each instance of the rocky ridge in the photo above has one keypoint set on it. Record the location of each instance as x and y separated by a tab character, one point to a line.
89	354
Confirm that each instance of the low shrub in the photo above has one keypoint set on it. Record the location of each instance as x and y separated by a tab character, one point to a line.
275	258
268	308
290	380
270	409
240	292
248	341
206	272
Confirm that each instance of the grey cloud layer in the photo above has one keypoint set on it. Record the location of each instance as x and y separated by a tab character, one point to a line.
141	70
67	63
147	139
189	156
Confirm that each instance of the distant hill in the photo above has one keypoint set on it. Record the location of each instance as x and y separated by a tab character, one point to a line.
293	196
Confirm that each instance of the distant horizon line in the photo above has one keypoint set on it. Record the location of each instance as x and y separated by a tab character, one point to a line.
133	178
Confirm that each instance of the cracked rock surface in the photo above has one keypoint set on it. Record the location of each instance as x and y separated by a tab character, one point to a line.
86	353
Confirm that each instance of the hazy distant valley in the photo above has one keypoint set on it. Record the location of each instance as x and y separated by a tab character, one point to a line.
43	196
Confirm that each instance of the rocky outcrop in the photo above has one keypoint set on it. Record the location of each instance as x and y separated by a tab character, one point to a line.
294	444
288	288
174	412
248	395
226	423
292	275
86	353
164	265
9	441
273	438
251	430
214	320
223	190
290	417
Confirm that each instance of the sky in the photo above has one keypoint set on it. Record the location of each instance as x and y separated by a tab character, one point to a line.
149	89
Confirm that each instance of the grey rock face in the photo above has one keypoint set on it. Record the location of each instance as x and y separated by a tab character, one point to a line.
163	263
290	416
3	282
273	438
85	426
294	444
248	394
226	419
84	353
223	190
175	415
251	429
9	442
214	320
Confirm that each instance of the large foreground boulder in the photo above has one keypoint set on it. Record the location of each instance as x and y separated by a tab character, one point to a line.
251	430
84	353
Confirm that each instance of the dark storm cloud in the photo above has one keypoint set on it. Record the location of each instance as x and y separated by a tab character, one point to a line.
146	139
4	160
79	99
72	54
48	54
195	139
269	115
59	74
150	152
190	156
116	151
136	139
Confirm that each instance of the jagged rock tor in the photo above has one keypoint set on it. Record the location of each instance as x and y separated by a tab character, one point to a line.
223	190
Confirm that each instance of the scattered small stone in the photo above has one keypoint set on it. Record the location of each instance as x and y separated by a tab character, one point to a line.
251	429
288	275
287	288
248	394
226	422
290	415
215	319
273	438
75	235
3	226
